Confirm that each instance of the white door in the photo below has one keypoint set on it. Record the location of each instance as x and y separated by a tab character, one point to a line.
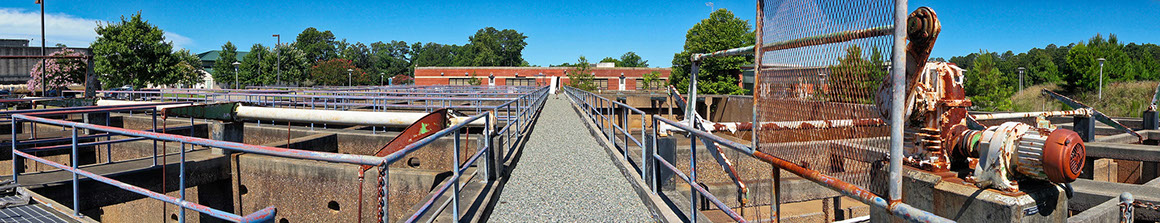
553	86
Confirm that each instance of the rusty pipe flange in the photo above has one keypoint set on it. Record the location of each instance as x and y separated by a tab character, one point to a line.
1063	156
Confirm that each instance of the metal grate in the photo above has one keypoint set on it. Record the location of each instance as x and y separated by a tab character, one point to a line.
28	213
821	64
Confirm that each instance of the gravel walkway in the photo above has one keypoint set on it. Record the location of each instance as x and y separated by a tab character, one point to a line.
565	175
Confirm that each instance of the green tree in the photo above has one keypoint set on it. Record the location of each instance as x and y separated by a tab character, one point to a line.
650	79
581	76
132	52
186	69
986	85
862	72
293	64
358	53
334	72
492	47
391	58
257	67
630	59
223	67
721	31
610	60
1040	68
474	80
317	45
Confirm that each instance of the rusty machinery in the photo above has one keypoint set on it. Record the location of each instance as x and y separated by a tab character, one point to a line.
943	137
940	133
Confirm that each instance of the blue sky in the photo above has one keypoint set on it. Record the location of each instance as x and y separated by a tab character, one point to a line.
558	31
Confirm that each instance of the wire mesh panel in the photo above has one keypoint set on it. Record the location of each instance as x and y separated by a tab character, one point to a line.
821	64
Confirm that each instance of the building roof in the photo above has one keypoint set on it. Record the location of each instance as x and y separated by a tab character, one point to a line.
213	55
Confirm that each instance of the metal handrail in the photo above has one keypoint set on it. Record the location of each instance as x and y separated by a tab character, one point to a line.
265	215
900	210
516	126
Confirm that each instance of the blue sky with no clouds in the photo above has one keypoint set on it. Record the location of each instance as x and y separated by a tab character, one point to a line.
558	31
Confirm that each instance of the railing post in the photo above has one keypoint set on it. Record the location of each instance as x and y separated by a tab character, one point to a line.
651	163
455	179
493	155
155	141
75	186
643	132
624	126
15	162
692	177
181	183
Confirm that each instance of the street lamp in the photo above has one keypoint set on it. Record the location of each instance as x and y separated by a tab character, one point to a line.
43	54
381	77
1021	78
349	80
236	74
1101	59
278	58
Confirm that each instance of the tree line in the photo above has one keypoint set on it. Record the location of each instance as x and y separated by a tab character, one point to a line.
133	52
317	58
992	78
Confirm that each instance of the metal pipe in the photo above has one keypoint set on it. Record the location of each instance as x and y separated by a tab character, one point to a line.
335	117
699	189
745	50
900	18
455	182
181	184
75	184
1014	115
898	100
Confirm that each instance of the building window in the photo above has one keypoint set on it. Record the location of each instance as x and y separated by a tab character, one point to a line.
656	84
601	83
521	82
459	81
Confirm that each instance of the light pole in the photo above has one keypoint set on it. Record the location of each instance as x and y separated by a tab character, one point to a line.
381	77
1101	59
349	80
43	53
278	58
1021	78
236	74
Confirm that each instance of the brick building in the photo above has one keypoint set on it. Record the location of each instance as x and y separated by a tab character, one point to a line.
607	78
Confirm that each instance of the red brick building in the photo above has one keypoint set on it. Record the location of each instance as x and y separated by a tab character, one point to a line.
607	78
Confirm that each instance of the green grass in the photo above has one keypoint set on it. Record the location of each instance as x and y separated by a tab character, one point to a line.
1122	99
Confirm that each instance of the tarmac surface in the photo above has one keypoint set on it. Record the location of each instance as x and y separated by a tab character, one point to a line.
564	175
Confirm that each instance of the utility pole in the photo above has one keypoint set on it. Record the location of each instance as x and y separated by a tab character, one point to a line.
278	58
43	53
1021	78
1101	59
236	74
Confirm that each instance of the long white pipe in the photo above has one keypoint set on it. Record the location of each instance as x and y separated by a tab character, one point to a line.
399	119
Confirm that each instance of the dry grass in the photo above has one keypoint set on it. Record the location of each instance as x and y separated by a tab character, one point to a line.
1123	99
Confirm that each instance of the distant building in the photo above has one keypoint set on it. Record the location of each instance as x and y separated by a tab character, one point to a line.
16	71
607	78
208	58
